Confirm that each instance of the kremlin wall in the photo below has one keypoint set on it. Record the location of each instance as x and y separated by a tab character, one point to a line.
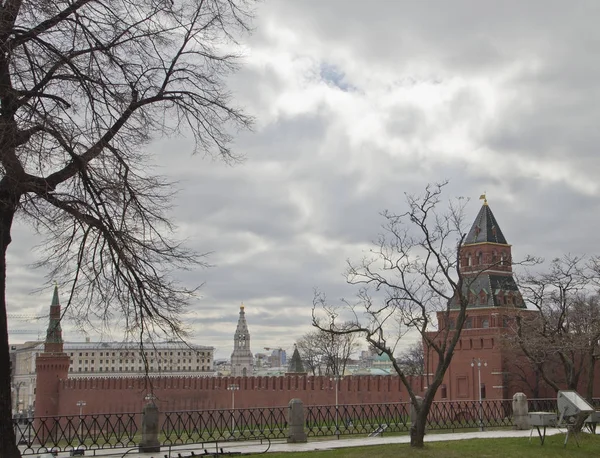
121	395
481	367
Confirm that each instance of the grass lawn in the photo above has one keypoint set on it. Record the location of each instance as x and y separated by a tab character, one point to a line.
514	447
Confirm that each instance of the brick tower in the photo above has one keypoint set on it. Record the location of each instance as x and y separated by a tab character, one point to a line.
51	366
241	358
485	262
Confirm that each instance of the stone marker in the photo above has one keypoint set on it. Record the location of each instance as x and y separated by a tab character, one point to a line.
296	422
149	443
520	411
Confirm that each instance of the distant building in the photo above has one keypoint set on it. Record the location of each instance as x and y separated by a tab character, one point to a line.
278	357
241	358
260	360
383	363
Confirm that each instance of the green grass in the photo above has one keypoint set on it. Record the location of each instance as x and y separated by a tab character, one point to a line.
514	447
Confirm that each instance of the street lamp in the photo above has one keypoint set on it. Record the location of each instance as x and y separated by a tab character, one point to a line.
233	388
336	379
17	388
478	362
81	405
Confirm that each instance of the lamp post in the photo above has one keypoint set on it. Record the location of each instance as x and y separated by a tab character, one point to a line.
478	362
336	379
81	405
17	388
233	388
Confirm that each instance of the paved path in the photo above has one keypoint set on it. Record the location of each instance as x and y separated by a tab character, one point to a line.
252	447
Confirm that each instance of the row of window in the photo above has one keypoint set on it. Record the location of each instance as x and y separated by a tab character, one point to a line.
141	369
133	353
480	259
161	361
502	299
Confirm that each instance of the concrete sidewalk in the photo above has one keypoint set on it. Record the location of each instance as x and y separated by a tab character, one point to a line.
311	445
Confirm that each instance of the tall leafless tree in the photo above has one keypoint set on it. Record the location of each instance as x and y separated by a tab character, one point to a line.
562	340
411	274
85	85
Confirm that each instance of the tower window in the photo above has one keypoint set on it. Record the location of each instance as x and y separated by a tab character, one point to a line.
482	298
480	258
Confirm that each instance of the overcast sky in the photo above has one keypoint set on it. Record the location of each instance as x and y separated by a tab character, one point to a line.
357	103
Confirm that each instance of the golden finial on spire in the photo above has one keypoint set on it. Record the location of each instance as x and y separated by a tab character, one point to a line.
484	198
242	306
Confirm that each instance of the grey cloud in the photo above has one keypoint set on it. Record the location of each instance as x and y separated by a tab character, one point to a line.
309	194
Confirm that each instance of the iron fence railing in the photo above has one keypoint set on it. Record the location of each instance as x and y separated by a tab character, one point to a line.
331	420
188	427
470	414
542	405
123	430
89	432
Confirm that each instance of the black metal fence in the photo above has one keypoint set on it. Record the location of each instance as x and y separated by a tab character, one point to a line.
379	419
193	427
102	431
356	419
90	432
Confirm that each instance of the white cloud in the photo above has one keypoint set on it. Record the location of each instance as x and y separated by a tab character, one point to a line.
354	107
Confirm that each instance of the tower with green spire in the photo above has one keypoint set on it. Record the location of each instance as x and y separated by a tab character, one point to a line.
51	366
54	340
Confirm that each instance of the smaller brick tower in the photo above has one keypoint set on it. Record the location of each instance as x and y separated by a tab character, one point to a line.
51	366
241	358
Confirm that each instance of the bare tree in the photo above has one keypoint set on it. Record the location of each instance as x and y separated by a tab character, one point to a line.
325	353
561	341
84	87
310	353
412	360
411	274
523	376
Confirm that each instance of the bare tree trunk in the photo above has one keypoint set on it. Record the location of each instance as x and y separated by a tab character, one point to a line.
417	429
8	446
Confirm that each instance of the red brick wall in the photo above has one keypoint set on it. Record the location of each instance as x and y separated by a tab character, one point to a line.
114	395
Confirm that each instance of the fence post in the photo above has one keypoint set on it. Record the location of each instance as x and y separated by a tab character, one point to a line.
520	411
149	443
296	422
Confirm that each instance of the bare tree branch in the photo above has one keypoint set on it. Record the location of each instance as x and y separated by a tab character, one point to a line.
85	86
